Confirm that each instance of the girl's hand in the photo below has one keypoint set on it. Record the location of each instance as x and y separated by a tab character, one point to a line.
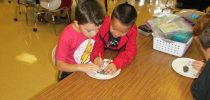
89	68
110	69
198	65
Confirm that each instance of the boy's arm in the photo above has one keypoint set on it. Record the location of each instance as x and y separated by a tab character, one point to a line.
98	48
201	86
99	45
125	57
66	67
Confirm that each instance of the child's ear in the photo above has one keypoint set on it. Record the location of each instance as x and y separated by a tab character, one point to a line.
76	23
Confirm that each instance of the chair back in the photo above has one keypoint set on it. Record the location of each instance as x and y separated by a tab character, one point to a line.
32	2
55	4
53	54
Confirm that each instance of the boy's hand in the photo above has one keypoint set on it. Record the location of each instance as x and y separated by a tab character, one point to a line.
89	68
98	61
110	69
198	65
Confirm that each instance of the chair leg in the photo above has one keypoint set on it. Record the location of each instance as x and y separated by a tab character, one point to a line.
19	4
36	13
17	8
26	13
106	6
35	22
54	23
67	13
76	1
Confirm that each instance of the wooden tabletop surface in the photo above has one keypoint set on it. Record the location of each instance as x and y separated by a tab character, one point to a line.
148	77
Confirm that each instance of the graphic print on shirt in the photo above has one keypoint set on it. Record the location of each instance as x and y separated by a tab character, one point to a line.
82	53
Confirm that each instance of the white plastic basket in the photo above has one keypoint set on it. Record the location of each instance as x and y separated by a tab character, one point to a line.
170	47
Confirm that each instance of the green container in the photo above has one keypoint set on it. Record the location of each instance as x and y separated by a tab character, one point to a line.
182	37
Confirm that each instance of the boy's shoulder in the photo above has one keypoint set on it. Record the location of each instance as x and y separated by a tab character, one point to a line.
69	30
133	30
69	33
69	27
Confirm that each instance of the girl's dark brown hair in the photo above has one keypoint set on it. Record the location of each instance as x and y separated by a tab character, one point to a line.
201	24
205	37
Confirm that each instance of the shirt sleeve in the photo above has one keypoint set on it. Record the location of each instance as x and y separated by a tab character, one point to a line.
201	86
63	46
98	48
125	57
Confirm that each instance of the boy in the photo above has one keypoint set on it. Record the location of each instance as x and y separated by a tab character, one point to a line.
117	32
201	86
75	43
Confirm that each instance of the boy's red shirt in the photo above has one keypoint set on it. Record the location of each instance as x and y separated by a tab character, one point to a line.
125	56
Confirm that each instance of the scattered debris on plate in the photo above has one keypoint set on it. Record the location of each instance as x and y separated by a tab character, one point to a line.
185	69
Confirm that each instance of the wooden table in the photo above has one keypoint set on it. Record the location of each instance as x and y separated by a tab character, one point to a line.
148	77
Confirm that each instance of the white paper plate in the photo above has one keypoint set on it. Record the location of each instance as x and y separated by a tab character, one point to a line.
104	76
178	65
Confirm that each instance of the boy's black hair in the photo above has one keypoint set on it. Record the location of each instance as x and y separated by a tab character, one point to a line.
89	11
125	13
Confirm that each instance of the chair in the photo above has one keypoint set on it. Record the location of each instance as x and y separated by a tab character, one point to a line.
9	1
55	6
26	4
53	54
106	4
168	7
54	62
58	5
